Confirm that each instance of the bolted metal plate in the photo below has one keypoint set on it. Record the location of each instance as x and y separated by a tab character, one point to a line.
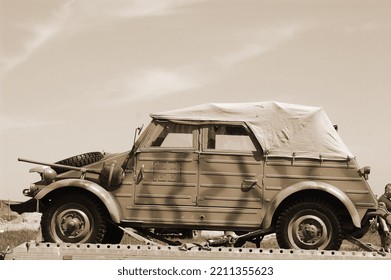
51	251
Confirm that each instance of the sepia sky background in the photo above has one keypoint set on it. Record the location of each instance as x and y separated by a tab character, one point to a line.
80	76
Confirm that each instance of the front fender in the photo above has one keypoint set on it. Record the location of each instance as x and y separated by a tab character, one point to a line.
311	185
108	200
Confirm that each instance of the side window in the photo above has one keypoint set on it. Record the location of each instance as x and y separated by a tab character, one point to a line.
170	135
229	138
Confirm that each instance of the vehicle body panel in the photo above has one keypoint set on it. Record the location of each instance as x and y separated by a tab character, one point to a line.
200	171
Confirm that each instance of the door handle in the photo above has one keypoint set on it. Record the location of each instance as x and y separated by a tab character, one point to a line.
140	174
248	184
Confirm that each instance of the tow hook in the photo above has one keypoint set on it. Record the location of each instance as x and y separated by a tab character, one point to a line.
365	246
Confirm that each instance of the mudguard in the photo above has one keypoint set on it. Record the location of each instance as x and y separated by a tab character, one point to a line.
107	199
311	185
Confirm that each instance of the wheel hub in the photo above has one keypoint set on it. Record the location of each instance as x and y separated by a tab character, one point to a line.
73	224
308	231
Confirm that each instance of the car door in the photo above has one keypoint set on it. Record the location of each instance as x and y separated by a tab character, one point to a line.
167	166
231	168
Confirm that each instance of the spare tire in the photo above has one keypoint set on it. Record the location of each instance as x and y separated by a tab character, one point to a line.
78	161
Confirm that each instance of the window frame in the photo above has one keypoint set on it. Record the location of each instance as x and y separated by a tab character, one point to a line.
205	134
157	130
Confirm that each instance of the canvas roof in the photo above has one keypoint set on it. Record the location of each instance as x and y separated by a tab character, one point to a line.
286	130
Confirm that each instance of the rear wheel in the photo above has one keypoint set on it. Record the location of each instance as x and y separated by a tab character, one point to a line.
74	218
310	225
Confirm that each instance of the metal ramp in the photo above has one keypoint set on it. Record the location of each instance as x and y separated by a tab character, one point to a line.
50	251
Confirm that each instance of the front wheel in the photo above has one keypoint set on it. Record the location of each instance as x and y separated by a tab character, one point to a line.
310	225
74	218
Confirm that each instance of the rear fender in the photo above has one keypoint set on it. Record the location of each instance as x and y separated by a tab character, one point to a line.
311	185
107	199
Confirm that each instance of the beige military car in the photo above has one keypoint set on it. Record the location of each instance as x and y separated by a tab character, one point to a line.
267	167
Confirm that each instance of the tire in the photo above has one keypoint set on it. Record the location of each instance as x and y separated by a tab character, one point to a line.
79	161
309	224
74	218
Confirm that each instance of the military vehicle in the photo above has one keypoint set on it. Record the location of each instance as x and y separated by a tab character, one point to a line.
263	167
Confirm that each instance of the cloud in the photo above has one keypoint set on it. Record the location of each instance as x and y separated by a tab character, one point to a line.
367	27
10	122
264	41
246	52
73	16
160	82
101	10
140	8
41	33
146	84
157	82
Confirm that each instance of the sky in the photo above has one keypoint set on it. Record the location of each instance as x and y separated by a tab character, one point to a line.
80	76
